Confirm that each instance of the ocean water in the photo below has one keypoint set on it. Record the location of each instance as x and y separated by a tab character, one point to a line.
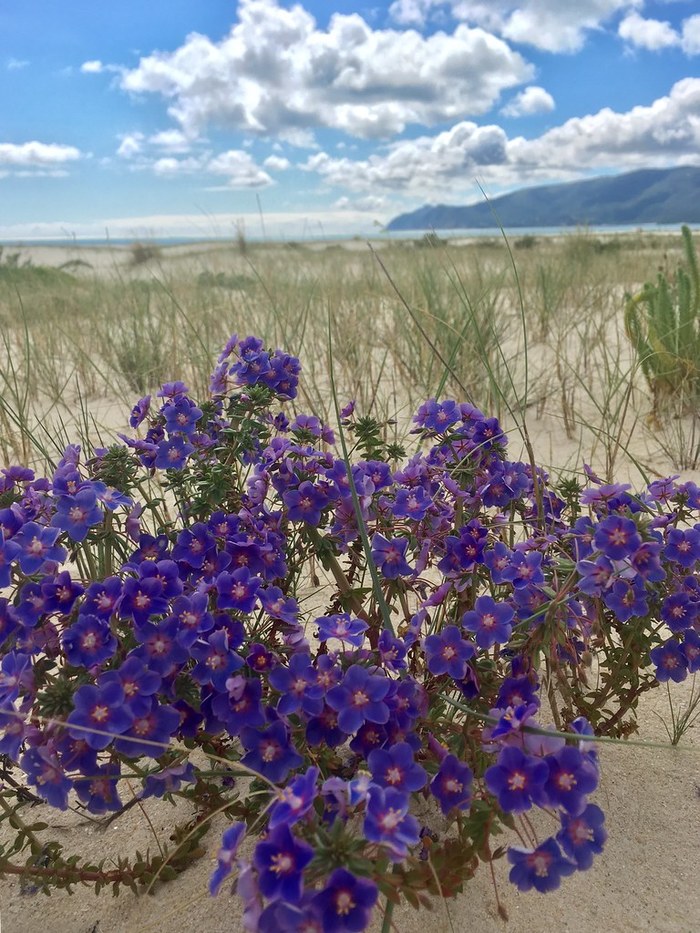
371	235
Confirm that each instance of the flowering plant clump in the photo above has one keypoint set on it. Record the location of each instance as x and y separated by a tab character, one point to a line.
478	628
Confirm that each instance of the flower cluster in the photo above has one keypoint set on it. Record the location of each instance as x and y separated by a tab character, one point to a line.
150	605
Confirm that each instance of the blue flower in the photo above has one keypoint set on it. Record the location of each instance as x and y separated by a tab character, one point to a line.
451	786
541	868
346	902
280	860
447	653
583	836
388	822
230	843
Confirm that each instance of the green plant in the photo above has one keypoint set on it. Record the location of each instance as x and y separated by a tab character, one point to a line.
663	323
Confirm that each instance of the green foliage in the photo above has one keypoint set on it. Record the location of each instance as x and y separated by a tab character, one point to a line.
663	323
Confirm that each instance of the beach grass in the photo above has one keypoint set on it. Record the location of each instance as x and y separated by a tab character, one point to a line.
532	327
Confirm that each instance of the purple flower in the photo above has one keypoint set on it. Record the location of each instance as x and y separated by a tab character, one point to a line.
541	868
691	650
9	550
61	593
390	556
359	698
683	547
670	662
678	612
88	642
237	590
230	843
173	454
101	598
517	779
38	547
342	627
388	822
298	684
280	860
142	599
181	416
583	836
490	621
627	599
411	503
140	411
44	772
150	731
437	416
305	504
216	660
99	791
99	714
269	752
295	800
452	785
395	767
572	775
346	902
76	514
617	537
447	653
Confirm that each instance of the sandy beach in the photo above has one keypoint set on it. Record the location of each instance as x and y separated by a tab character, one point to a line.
648	876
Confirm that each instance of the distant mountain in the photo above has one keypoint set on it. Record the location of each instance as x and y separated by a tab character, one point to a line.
648	196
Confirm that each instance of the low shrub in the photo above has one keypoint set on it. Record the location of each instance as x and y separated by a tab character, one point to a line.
378	747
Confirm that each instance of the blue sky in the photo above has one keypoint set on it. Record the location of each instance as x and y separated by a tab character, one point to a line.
188	117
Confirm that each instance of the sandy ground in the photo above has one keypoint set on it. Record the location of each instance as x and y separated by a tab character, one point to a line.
648	878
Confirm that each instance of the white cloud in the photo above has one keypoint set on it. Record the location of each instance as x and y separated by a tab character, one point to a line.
532	100
277	73
36	155
690	39
16	64
553	25
418	166
651	34
131	144
282	225
239	169
369	204
170	141
276	163
171	166
665	133
93	67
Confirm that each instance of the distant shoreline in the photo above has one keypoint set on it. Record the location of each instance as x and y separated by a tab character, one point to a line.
460	233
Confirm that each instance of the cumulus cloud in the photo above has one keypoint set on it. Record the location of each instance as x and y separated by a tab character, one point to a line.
170	166
16	64
170	141
239	169
131	144
552	25
665	133
690	38
418	165
276	163
277	73
530	101
93	67
36	155
370	204
651	34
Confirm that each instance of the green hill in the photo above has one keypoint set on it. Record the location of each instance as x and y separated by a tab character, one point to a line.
648	196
